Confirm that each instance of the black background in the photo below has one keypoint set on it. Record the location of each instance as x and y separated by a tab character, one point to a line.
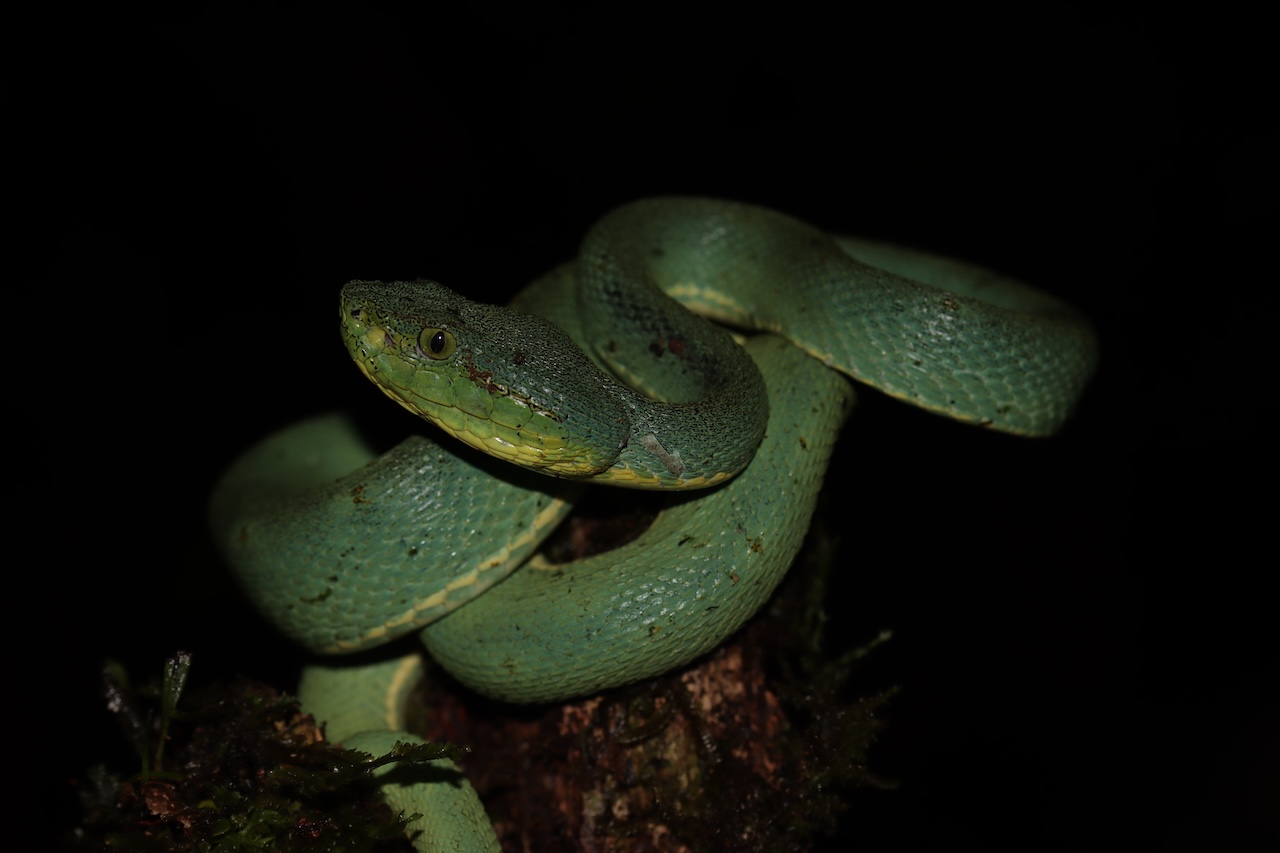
1082	631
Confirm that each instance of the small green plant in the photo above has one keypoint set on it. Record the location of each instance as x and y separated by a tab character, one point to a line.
235	768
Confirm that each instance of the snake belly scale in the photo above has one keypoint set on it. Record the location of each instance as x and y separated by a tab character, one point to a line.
597	374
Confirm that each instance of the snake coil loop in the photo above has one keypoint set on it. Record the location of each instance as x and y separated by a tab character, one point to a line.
345	550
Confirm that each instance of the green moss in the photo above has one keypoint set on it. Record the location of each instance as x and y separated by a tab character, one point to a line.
232	769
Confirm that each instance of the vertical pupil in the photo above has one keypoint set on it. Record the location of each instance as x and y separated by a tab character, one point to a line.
437	342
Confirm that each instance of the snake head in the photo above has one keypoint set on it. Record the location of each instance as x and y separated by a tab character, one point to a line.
509	384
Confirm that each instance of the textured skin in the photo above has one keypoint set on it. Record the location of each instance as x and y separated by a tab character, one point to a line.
517	387
315	526
704	567
344	561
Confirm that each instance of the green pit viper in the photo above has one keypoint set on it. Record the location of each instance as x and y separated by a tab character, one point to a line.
344	550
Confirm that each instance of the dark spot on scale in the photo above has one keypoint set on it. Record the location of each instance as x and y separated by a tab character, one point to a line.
518	358
656	349
483	378
657	252
676	345
319	599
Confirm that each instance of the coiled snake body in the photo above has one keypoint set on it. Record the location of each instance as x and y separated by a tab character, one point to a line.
344	550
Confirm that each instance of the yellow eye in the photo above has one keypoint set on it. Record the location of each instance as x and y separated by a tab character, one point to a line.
436	343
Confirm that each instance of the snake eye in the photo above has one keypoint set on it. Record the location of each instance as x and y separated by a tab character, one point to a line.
436	343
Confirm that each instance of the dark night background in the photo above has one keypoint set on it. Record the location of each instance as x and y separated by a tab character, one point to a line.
1083	639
